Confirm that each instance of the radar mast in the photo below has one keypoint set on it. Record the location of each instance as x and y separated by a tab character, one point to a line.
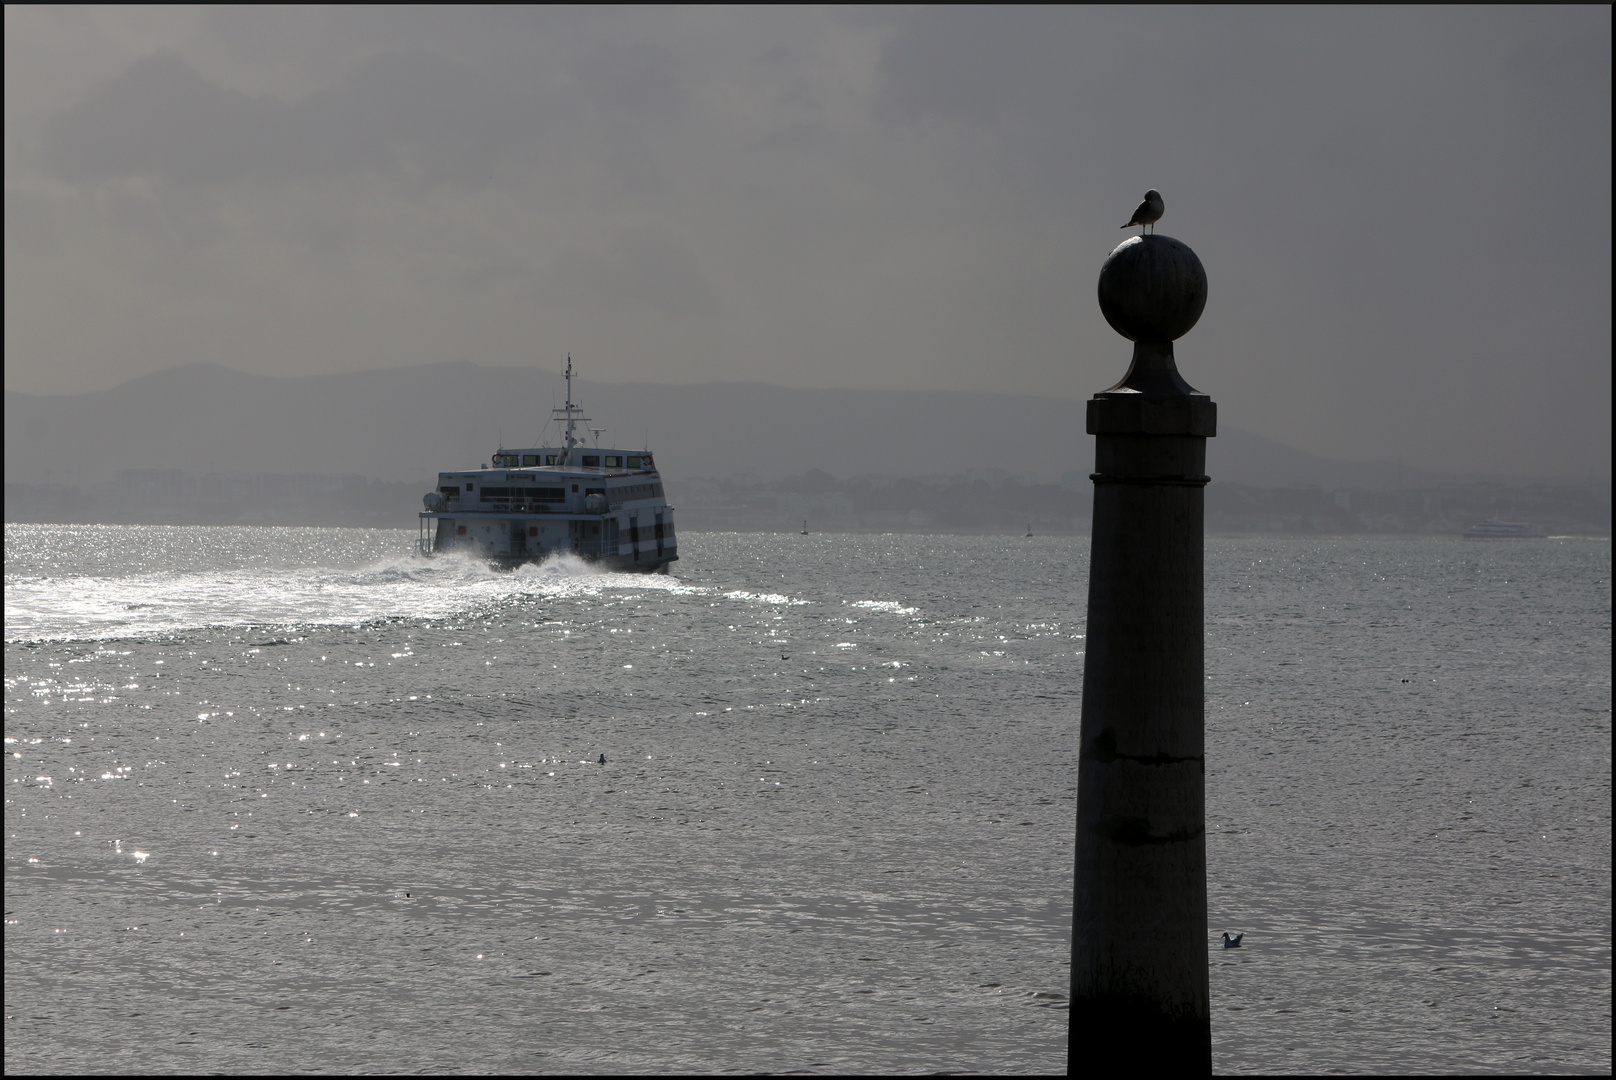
572	414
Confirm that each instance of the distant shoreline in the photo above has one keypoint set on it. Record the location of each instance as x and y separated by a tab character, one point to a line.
829	531
991	504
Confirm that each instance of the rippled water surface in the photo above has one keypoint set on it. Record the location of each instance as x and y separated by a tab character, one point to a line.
292	799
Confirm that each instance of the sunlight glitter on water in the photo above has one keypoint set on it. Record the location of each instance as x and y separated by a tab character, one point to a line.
47	608
849	854
891	607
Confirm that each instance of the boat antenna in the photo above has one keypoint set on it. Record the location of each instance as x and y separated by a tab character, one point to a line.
597	431
572	414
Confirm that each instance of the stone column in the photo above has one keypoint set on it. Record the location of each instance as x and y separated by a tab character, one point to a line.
1139	934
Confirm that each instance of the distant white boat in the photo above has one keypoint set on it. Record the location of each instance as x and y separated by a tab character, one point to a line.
805	526
1505	530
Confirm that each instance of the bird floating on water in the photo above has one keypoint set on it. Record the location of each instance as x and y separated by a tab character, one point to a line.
1149	212
602	760
1232	942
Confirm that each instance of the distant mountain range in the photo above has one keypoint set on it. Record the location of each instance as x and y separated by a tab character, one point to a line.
405	424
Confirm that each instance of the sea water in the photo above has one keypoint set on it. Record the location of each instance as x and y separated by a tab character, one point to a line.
298	800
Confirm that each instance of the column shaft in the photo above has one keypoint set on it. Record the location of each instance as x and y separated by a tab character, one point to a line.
1139	944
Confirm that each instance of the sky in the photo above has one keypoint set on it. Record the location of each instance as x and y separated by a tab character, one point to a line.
1404	213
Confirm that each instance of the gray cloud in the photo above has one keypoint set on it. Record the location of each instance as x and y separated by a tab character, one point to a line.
1384	201
1405	212
644	268
405	116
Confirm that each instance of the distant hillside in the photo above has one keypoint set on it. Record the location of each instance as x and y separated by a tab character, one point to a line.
405	424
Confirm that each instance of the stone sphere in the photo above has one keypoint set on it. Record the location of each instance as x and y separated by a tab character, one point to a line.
1152	288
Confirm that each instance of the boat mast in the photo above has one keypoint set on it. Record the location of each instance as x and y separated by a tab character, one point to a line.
570	412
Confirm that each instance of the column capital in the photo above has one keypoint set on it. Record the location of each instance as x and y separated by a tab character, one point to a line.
1131	413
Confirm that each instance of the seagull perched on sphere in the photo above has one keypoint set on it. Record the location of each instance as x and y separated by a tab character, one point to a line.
1149	212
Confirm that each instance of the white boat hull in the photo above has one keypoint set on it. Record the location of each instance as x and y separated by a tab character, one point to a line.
508	540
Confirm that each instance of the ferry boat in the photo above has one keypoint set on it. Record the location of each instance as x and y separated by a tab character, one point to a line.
1505	530
528	503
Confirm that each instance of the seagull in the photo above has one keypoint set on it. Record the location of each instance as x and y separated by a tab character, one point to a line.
602	760
1149	212
1232	942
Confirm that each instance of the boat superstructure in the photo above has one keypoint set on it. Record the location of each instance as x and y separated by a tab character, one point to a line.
602	504
1504	530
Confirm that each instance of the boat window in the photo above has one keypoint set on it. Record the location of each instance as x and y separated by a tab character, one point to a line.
549	459
529	459
637	491
533	494
613	462
468	487
575	489
591	461
634	463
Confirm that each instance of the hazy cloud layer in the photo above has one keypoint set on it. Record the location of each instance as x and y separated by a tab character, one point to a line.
1404	212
